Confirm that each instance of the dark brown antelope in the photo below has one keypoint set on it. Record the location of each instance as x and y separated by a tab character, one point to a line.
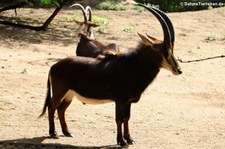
88	45
120	79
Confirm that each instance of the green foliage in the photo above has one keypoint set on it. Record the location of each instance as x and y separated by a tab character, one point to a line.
95	19
143	1
50	2
100	20
184	5
139	9
46	2
71	18
211	38
17	20
101	30
110	5
223	37
129	29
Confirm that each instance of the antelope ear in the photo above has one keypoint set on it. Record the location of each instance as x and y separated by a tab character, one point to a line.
93	24
111	52
154	40
145	40
79	22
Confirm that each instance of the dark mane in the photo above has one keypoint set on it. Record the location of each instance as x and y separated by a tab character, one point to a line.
131	53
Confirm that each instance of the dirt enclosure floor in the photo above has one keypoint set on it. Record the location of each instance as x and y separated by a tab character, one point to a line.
186	111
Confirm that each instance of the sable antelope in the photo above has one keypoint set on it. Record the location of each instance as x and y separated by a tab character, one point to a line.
120	79
88	46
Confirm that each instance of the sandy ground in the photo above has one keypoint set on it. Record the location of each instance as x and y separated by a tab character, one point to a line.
186	111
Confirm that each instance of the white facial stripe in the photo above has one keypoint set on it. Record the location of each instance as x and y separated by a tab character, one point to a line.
169	53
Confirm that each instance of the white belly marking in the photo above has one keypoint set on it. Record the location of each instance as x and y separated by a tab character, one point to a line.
70	94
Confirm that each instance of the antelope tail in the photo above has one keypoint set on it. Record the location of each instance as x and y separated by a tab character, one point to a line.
48	98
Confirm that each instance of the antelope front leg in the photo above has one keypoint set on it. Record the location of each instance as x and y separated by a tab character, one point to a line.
120	115
127	136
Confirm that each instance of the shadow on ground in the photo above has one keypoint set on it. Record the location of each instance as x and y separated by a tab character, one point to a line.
64	35
36	143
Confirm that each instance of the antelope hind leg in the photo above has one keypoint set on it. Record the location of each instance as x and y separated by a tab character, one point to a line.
61	113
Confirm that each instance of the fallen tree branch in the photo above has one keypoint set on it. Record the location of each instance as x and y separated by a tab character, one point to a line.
36	28
199	60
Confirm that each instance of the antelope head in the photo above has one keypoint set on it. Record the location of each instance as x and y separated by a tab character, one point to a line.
167	45
86	26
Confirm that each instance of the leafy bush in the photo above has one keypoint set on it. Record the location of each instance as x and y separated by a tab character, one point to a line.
101	30
95	19
49	2
110	5
100	20
71	18
103	22
139	9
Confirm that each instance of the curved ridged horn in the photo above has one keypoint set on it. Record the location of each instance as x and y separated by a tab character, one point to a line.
169	23
166	31
89	12
83	11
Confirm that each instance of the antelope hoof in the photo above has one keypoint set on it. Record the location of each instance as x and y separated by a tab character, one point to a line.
54	135
130	141
67	134
122	143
